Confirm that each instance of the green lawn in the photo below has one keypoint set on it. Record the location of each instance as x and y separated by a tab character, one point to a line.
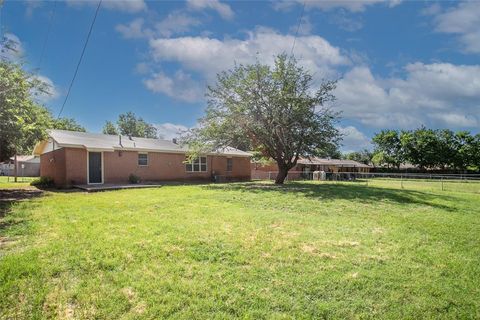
8	182
252	250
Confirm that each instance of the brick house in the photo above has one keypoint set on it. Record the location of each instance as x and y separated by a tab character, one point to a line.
305	166
75	158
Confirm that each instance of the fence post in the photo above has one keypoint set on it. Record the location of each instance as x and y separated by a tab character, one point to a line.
401	180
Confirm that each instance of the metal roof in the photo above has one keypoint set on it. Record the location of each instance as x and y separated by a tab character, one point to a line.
105	142
26	158
333	162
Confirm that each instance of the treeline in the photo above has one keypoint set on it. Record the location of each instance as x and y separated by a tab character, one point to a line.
427	149
422	148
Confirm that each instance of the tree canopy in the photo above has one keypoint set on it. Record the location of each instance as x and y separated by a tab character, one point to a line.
23	121
129	124
363	156
272	110
428	148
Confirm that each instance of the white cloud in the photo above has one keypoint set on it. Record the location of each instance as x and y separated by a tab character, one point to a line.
351	5
305	27
134	30
175	23
49	93
11	47
353	139
181	86
208	56
223	9
129	6
463	20
169	130
438	94
346	22
455	119
31	7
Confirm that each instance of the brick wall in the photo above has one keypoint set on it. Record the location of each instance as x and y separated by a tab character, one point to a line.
52	164
69	166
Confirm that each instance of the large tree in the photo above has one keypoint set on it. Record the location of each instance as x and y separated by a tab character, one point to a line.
422	147
272	110
129	124
23	121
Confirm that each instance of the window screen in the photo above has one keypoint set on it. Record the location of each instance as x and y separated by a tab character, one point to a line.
142	159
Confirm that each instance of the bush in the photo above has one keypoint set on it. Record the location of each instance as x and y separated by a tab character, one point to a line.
43	182
133	179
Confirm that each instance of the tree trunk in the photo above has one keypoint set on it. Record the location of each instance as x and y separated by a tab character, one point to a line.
282	174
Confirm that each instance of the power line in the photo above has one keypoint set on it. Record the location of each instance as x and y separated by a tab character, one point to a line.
298	28
52	17
81	57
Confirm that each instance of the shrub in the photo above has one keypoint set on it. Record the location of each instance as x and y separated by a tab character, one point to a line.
133	179
43	182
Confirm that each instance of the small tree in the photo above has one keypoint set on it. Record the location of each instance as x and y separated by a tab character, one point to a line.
387	143
109	128
129	124
363	156
67	124
273	111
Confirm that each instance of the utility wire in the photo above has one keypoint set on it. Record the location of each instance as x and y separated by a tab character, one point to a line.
52	17
80	60
298	27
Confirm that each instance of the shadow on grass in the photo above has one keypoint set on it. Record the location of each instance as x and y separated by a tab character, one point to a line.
332	192
8	197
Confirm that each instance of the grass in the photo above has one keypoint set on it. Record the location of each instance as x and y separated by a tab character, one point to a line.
436	185
251	250
8	182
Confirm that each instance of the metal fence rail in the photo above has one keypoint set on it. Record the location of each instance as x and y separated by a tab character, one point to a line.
469	183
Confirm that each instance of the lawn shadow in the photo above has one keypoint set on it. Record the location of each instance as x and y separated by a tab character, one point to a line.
8	197
342	191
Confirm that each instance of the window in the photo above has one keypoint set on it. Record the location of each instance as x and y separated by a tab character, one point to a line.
197	165
229	164
143	159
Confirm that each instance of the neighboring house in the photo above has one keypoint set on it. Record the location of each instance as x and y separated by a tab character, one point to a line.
331	165
73	158
27	166
305	166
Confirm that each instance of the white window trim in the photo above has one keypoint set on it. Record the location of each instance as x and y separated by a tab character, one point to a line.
200	165
142	165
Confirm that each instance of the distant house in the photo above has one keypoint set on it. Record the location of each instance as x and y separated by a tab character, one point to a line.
305	166
331	165
73	158
27	166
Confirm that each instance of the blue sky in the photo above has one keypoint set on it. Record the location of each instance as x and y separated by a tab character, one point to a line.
400	64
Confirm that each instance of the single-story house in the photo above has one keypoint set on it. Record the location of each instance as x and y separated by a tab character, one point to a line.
306	166
75	158
331	165
27	166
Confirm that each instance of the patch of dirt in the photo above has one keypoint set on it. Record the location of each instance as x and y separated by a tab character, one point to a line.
8	195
